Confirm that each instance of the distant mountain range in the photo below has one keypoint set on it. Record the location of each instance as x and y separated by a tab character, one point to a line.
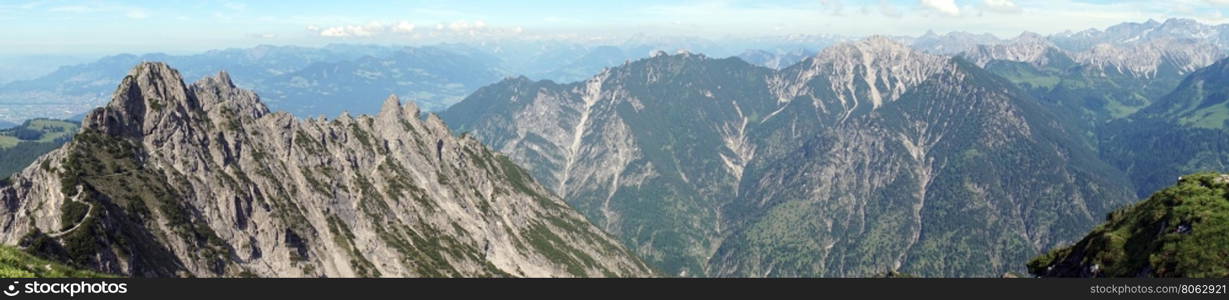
1183	132
1146	96
311	81
266	68
1097	76
327	80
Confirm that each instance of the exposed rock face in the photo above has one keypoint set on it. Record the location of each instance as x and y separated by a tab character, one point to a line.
868	157
1028	47
1146	50
640	155
1148	58
1130	33
1145	58
960	176
1092	87
202	180
861	75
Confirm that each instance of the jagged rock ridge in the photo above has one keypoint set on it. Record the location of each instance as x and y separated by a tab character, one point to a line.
202	180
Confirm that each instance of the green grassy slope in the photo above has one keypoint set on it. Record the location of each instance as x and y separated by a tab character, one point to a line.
15	263
20	145
1181	231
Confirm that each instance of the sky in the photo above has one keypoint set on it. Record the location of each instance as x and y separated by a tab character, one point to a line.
71	27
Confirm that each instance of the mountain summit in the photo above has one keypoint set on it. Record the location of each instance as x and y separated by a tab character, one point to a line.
201	180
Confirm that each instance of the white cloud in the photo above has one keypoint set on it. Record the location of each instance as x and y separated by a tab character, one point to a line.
466	26
370	29
404	27
1002	6
946	7
334	32
347	31
374	28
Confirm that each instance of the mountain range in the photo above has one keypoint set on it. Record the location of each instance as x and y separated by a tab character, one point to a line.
294	78
277	71
202	180
870	156
953	155
308	81
1185	131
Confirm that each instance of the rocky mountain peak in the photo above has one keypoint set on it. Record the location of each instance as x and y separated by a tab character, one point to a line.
345	118
395	116
392	106
219	93
1028	47
223	78
1145	58
876	45
142	100
1177	22
203	181
1030	37
885	67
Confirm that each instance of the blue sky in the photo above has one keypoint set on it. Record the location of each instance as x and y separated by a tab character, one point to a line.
176	26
